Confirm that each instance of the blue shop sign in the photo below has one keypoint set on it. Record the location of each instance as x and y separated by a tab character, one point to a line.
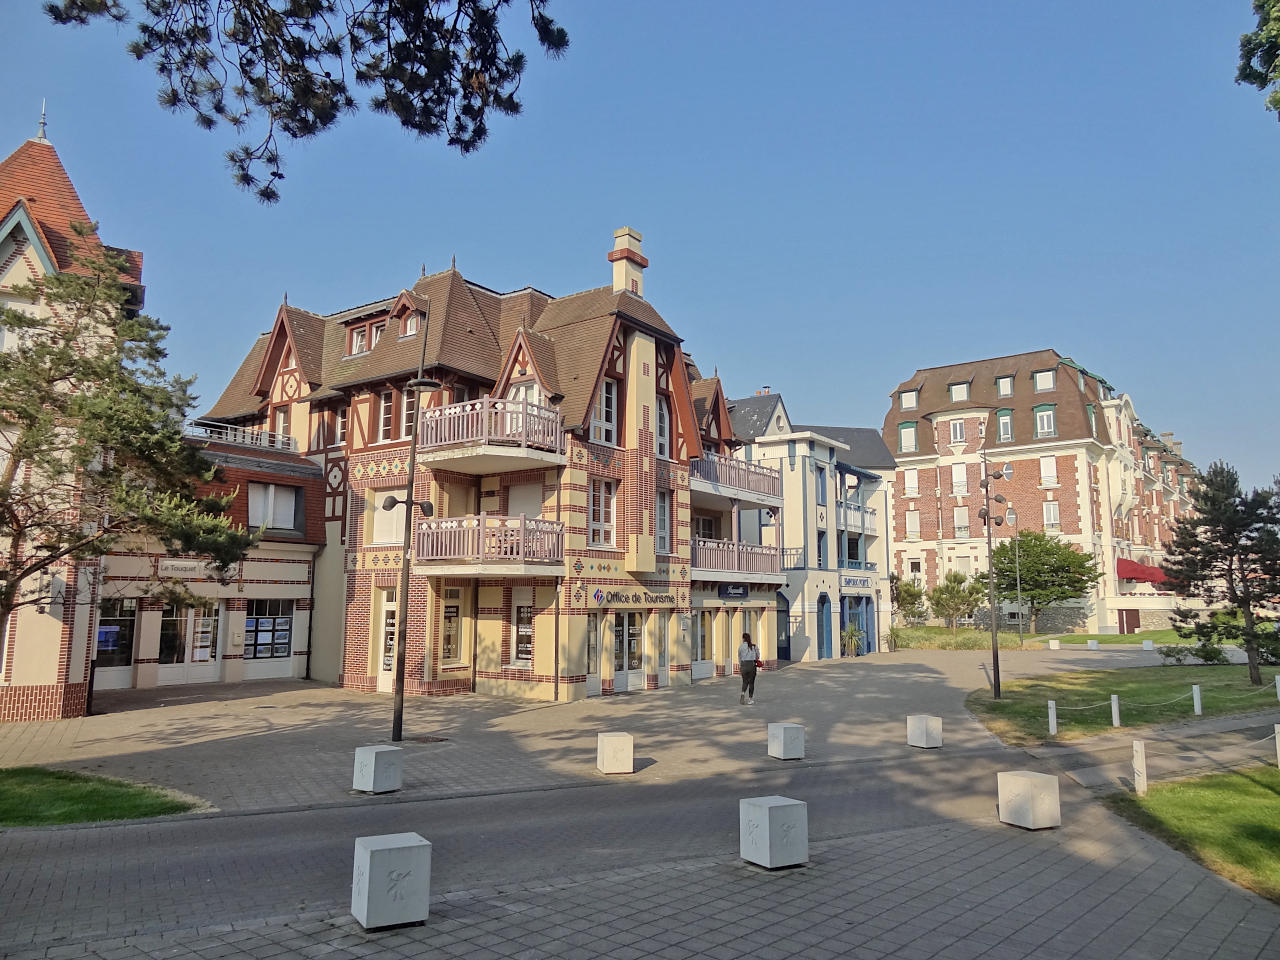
733	591
864	582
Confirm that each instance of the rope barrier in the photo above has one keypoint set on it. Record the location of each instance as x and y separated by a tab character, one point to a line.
1251	693
1162	703
1104	703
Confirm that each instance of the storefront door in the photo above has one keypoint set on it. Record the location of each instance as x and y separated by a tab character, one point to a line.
824	627
113	651
628	650
189	645
703	645
593	654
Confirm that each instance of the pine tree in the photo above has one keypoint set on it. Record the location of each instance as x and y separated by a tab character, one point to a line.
907	598
1226	552
290	69
1051	571
956	597
1260	54
91	441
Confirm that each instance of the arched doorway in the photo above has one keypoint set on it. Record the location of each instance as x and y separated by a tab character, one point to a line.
824	627
784	627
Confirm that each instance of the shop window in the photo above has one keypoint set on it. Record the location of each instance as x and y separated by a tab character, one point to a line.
390	623
117	623
593	644
188	634
451	628
268	629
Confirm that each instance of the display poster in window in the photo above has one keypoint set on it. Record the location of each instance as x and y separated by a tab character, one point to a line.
451	611
202	649
524	633
108	639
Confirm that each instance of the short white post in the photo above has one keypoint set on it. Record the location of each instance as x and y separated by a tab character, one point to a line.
1195	698
1140	768
1278	686
1278	744
378	769
773	831
1055	643
924	731
1115	710
786	741
391	880
1093	643
1053	718
1148	644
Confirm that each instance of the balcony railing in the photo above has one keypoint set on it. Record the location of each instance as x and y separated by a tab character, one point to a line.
490	539
490	420
793	558
854	516
727	472
241	436
859	565
733	557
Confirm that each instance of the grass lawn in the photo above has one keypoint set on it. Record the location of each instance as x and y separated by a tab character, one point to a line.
1158	637
942	638
1227	821
34	796
1021	715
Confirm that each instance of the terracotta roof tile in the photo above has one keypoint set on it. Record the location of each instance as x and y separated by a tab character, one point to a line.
238	399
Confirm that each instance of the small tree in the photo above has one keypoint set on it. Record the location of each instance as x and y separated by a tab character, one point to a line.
956	597
1051	571
1226	552
1260	54
908	600
91	442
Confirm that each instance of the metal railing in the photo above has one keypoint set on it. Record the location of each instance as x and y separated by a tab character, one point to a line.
859	565
793	558
854	516
482	538
241	436
491	420
739	474
733	557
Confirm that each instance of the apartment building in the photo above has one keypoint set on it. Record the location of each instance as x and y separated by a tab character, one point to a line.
835	551
1084	468
583	538
106	624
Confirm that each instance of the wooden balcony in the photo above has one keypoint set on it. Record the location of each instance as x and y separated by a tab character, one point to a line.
216	432
856	518
487	544
724	477
490	435
730	560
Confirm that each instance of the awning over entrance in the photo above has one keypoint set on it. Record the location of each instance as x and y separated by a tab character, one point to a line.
1132	570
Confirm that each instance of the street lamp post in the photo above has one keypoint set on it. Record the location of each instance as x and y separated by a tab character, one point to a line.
989	521
418	385
1011	516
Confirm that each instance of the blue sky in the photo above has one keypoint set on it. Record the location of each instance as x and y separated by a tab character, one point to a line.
829	200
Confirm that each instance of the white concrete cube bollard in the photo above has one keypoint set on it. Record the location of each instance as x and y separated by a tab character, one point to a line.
1148	644
614	753
378	769
924	730
1093	643
1029	799
1055	643
391	880
786	741
773	831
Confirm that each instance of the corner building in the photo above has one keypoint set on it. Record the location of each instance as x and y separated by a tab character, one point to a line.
557	456
1085	469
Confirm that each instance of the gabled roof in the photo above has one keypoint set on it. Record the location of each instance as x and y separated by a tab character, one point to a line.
866	447
35	175
751	416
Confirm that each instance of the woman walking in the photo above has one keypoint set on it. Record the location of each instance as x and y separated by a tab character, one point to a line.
748	659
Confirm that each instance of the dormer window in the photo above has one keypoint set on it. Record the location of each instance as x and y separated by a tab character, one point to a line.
604	416
1004	386
359	341
1044	380
959	391
375	333
909	399
409	325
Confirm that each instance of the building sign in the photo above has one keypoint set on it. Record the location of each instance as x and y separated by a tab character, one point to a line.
181	567
846	581
733	591
636	598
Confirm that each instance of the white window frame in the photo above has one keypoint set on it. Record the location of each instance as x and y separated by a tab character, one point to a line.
359	341
913	534
958	392
601	512
1004	426
386	415
604	414
376	331
960	520
1004	386
662	522
410	325
662	430
903	430
957	431
340	427
1044	381
1051	507
911	482
1046	423
265	495
960	479
1049	477
391	529
408	401
909	399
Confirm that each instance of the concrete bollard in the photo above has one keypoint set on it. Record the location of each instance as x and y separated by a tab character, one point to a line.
378	769
1055	643
391	880
1029	799
1053	718
1140	768
773	831
924	731
1115	710
1093	643
1195	699
1278	686
1277	744
615	753
1148	644
786	741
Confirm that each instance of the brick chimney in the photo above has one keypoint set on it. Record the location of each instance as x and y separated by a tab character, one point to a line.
628	262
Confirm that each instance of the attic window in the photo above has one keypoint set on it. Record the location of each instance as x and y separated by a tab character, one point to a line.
410	323
287	363
375	333
359	341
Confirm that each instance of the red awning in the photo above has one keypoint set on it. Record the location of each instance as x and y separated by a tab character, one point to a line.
1132	570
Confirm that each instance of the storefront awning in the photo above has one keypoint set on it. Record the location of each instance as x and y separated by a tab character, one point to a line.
1132	570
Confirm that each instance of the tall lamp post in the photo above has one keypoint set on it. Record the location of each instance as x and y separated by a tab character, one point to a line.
985	513
1011	517
418	385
